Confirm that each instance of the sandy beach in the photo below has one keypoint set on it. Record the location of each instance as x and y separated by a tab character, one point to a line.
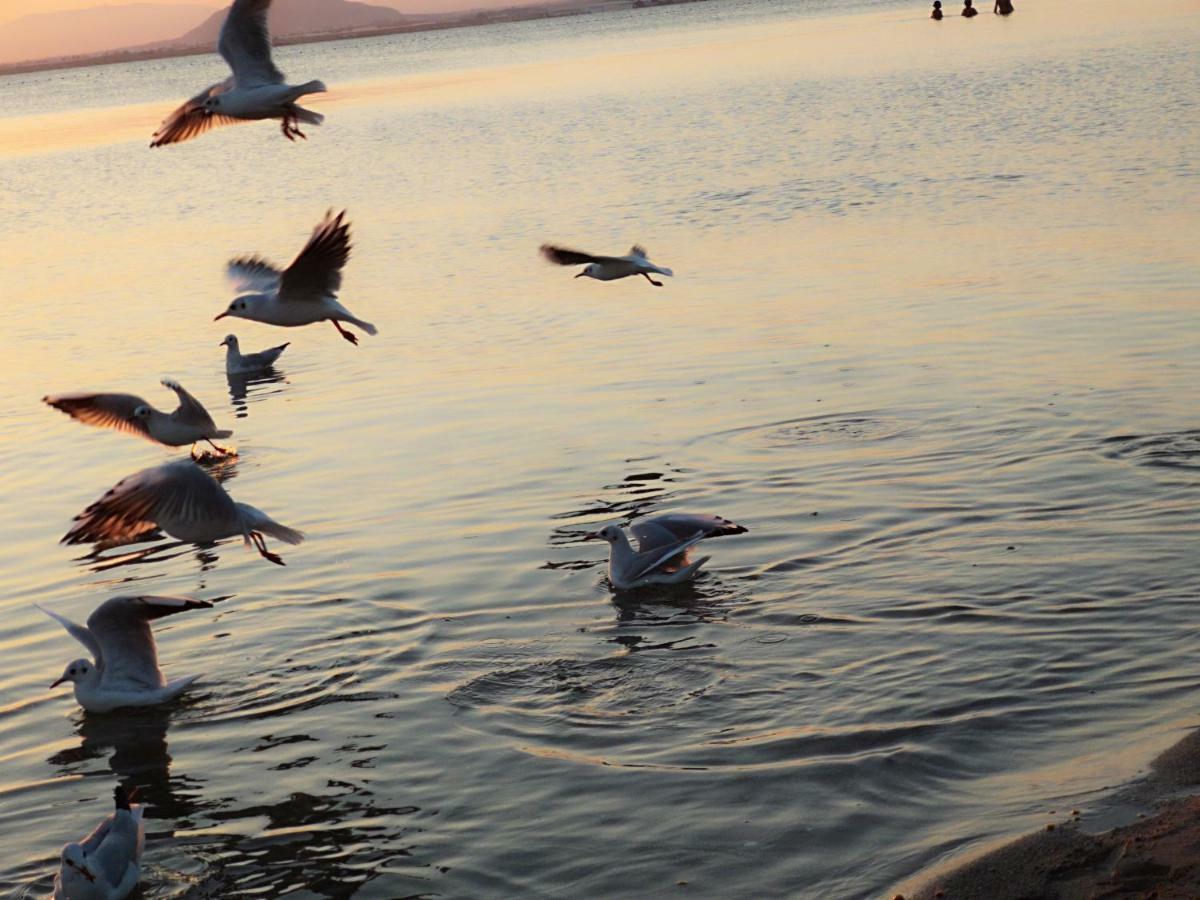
1154	857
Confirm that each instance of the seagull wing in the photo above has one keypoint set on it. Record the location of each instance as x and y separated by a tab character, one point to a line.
118	849
80	634
565	257
179	491
190	410
663	531
102	410
646	561
99	833
192	119
638	250
121	625
253	273
263	358
245	43
317	272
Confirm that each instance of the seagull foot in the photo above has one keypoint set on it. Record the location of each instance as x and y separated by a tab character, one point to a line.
260	544
224	451
348	335
651	280
291	130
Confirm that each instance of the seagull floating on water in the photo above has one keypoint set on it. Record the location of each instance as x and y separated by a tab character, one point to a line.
188	424
606	268
105	865
662	553
124	668
181	499
238	363
303	293
255	90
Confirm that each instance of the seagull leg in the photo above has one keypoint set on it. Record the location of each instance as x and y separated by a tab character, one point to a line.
351	337
651	280
290	129
223	450
260	544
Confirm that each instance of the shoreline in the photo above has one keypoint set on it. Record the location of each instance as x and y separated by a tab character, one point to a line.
1156	855
442	23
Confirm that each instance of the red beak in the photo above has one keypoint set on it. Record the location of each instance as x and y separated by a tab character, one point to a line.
57	683
221	316
592	536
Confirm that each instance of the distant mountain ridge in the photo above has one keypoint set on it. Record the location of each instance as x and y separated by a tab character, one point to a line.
289	18
95	29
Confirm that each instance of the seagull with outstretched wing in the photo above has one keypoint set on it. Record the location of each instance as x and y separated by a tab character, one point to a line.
255	90
181	499
303	293
188	424
661	556
124	668
606	268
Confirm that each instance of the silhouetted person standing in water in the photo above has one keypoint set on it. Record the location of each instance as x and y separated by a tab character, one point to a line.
969	10
937	10
1003	7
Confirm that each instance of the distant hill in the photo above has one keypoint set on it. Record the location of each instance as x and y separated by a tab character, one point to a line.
289	18
96	29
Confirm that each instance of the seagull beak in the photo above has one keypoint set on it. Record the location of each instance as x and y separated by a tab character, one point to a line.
221	316
581	274
57	683
591	535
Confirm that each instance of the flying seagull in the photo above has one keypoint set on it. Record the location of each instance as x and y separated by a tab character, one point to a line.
188	424
303	293
606	268
124	668
662	553
181	499
105	865
239	363
255	90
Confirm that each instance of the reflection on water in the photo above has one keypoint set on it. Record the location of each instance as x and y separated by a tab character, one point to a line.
932	338
245	389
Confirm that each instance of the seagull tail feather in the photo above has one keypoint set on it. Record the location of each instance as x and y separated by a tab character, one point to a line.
365	326
282	532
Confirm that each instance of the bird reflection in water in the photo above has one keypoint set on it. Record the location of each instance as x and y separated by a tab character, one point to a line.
244	389
135	741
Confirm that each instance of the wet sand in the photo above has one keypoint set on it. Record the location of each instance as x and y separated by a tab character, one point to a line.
1156	856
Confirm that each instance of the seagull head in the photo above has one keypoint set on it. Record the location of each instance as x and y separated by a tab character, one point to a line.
610	533
589	271
242	307
75	860
78	671
230	341
213	103
141	412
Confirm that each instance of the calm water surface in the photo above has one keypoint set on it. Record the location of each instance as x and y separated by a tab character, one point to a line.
933	340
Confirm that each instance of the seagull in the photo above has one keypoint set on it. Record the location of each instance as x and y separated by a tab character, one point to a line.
105	865
255	90
124	669
606	268
306	291
238	363
662	553
126	412
181	499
